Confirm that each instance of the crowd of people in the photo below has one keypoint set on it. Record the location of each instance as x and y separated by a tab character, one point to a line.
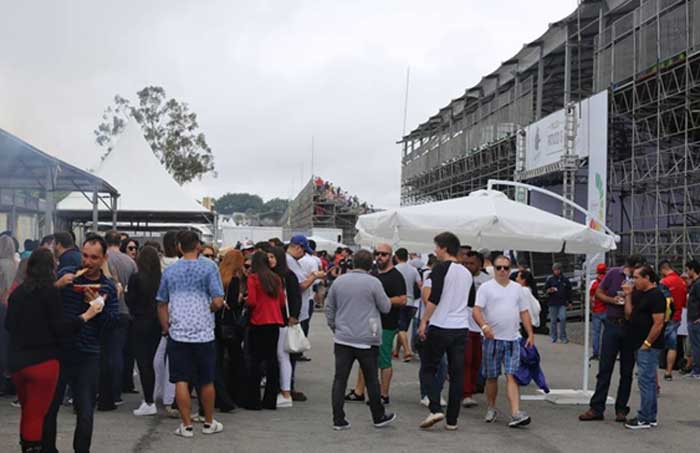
197	323
326	192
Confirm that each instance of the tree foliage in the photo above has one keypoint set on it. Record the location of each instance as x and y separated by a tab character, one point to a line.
169	127
276	205
239	202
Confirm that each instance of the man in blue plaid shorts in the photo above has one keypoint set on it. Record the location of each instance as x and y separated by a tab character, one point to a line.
500	306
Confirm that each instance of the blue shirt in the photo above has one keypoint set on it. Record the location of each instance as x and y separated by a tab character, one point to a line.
188	287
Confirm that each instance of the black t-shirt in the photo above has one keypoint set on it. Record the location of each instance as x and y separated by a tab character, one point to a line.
394	285
645	304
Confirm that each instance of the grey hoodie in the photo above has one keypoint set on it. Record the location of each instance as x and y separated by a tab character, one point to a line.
353	305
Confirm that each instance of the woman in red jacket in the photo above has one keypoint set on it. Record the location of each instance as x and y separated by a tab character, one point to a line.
265	299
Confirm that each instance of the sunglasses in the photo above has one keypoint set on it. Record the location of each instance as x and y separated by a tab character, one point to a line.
208	256
131	247
247	266
502	268
382	254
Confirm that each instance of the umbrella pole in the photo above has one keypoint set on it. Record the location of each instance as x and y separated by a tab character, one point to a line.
586	325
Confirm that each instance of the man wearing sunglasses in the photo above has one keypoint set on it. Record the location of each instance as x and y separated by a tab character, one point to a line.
447	312
395	288
499	308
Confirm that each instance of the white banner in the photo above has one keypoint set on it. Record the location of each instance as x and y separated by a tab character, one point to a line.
598	164
545	138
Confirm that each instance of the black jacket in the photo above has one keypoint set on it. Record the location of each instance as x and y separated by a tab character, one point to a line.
36	324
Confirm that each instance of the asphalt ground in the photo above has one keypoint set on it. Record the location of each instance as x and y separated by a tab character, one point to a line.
306	427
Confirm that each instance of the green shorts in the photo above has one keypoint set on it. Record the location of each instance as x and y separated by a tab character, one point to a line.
386	347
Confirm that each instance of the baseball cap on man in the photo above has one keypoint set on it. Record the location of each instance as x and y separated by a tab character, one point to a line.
247	245
601	268
300	239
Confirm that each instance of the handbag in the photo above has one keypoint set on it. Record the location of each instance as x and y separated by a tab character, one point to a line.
225	331
296	342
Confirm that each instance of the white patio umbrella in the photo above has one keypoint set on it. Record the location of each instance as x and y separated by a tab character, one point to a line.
484	219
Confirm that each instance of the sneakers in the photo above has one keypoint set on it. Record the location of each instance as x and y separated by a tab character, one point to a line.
469	402
146	409
491	415
425	401
693	376
298	396
119	402
635	423
184	431
341	426
212	428
519	419
668	377
385	420
432	419
590	415
354	397
171	412
16	403
283	402
594	357
451	427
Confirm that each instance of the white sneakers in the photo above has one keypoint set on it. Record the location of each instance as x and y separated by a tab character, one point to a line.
469	402
146	409
283	402
425	401
208	428
432	419
212	428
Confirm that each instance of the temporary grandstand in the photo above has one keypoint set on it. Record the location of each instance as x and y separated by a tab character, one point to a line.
322	205
612	89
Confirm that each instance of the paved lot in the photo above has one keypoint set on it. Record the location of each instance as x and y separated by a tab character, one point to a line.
307	426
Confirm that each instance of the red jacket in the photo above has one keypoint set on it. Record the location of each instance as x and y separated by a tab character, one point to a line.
264	309
679	291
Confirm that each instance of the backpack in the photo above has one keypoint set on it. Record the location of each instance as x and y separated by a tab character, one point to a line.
670	306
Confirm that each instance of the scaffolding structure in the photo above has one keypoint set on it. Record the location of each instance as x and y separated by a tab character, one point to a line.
646	54
313	209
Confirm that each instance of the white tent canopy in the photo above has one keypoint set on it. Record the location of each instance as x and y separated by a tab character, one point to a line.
326	244
145	186
484	219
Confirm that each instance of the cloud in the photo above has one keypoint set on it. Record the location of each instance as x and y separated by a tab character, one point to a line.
263	77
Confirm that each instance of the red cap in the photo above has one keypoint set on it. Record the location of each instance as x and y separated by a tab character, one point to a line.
601	268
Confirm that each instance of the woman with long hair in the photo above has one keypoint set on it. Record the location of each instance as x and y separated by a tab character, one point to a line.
293	293
230	331
146	334
36	323
265	300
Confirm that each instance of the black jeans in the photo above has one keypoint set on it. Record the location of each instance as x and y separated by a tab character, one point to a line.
233	366
145	337
345	356
129	361
263	350
113	340
438	342
82	376
614	342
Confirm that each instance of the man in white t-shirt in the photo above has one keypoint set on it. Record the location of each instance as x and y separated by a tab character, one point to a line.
473	261
412	278
499	308
448	315
297	250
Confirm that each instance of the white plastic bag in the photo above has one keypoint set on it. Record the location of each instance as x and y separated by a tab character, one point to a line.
296	341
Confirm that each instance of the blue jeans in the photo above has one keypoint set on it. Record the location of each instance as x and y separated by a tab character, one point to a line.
557	313
647	363
597	330
694	337
81	373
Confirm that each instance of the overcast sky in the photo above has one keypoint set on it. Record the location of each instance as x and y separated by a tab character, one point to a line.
262	76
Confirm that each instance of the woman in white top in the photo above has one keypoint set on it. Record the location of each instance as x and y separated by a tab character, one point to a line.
527	281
